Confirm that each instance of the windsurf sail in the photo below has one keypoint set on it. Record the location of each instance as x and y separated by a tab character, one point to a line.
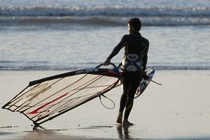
47	98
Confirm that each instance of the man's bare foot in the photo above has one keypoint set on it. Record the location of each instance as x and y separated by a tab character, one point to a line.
119	119
127	123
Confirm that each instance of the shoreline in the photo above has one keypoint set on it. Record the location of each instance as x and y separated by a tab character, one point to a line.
179	109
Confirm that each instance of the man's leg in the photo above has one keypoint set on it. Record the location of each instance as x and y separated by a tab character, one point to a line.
133	85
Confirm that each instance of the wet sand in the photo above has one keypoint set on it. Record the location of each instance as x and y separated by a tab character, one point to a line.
179	109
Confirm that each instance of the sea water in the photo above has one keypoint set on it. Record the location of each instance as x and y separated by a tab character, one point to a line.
72	34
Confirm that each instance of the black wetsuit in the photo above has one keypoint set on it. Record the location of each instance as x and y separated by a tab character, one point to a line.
133	43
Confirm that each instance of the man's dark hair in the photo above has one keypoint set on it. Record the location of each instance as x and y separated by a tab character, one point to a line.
135	23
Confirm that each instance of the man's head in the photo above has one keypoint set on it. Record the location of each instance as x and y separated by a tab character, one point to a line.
134	25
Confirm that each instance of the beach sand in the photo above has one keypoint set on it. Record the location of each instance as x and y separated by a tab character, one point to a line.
178	109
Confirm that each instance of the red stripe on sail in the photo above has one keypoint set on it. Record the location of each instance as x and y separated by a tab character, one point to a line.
37	110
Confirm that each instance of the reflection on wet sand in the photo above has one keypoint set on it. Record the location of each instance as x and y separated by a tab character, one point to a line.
44	134
123	132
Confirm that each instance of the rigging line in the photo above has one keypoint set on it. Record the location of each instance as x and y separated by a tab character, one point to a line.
36	94
109	100
60	98
55	92
110	87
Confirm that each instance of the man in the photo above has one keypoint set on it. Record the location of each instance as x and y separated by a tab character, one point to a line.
133	65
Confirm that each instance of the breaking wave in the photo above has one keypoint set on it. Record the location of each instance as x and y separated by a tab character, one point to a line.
116	15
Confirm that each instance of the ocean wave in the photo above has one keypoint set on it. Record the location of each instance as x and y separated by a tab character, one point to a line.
104	21
104	11
160	16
